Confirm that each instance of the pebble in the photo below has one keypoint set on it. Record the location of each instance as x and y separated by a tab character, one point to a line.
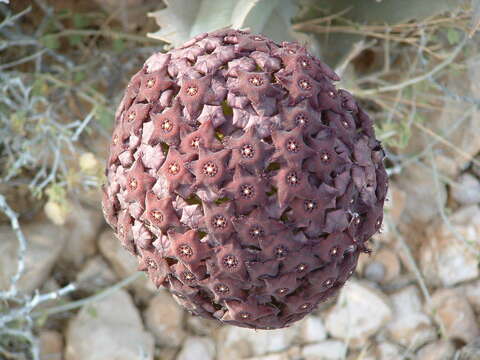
325	350
282	356
45	243
83	225
383	267
201	326
110	328
196	348
312	330
446	259
410	326
382	351
237	343
424	196
360	312
470	351
51	345
472	291
438	350
164	318
466	189
95	275
124	264
454	312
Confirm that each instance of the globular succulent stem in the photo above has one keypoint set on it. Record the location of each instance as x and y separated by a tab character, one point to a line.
286	167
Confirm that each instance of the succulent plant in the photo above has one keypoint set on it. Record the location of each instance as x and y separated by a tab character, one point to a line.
242	179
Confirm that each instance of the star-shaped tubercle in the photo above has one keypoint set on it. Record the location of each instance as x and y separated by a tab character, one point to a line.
174	169
155	265
167	126
247	190
187	247
291	181
160	212
249	151
290	146
138	183
203	136
310	212
210	168
194	93
153	84
218	220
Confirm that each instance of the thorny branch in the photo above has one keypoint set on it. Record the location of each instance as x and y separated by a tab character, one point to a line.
22	248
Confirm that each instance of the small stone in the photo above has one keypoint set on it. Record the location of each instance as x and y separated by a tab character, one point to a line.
470	351
95	275
438	350
313	330
197	347
83	225
472	291
325	350
201	326
51	345
360	311
45	243
452	310
164	318
237	343
466	190
424	196
375	271
110	328
410	326
384	267
383	351
123	264
282	356
446	259
396	203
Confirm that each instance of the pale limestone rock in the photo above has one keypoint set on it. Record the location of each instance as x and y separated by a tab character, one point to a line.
396	203
51	345
384	351
45	243
95	275
446	259
325	350
196	347
201	326
421	203
312	329
360	312
237	343
410	326
470	351
282	356
451	308
466	189
82	225
393	209
438	350
164	318
383	267
123	263
472	291
110	328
